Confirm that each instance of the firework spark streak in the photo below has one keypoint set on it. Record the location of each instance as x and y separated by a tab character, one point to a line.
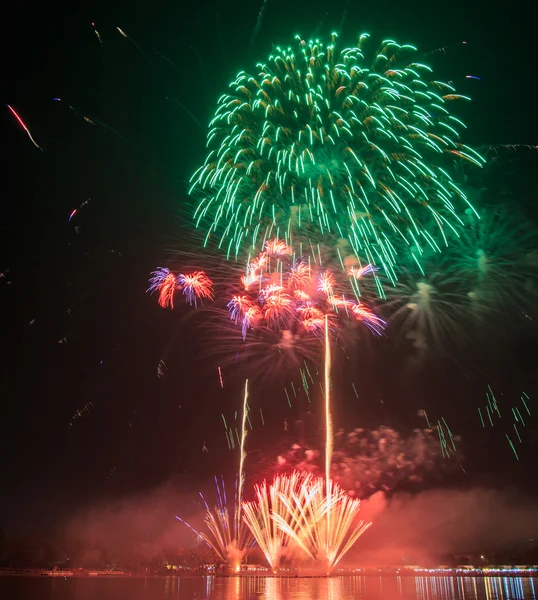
230	540
260	515
340	142
366	461
21	123
495	408
326	526
97	34
164	282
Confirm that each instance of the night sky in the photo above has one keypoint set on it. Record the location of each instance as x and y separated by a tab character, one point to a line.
79	332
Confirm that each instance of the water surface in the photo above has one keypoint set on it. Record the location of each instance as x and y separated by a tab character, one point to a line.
269	588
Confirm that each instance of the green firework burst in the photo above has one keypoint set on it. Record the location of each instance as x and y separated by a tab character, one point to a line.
337	146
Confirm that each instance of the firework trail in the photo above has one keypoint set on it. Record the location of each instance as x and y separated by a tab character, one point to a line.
21	123
431	309
495	257
327	144
343	18
258	25
242	456
183	107
260	515
228	535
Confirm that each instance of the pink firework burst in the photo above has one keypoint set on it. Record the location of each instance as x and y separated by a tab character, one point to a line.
299	275
286	293
326	283
276	249
196	285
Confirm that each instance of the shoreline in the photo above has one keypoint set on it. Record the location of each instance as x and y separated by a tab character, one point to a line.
531	571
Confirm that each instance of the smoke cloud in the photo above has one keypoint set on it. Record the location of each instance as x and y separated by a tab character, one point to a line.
139	527
407	528
424	527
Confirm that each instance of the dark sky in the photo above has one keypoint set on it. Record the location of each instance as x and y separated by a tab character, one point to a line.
89	287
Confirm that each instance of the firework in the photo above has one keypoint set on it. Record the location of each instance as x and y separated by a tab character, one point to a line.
259	515
283	292
195	286
336	143
229	538
241	474
496	257
488	276
328	526
300	516
431	309
270	517
271	312
21	123
518	411
273	316
264	353
97	34
328	420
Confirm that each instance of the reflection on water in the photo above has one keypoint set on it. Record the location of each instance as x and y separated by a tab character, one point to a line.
270	588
